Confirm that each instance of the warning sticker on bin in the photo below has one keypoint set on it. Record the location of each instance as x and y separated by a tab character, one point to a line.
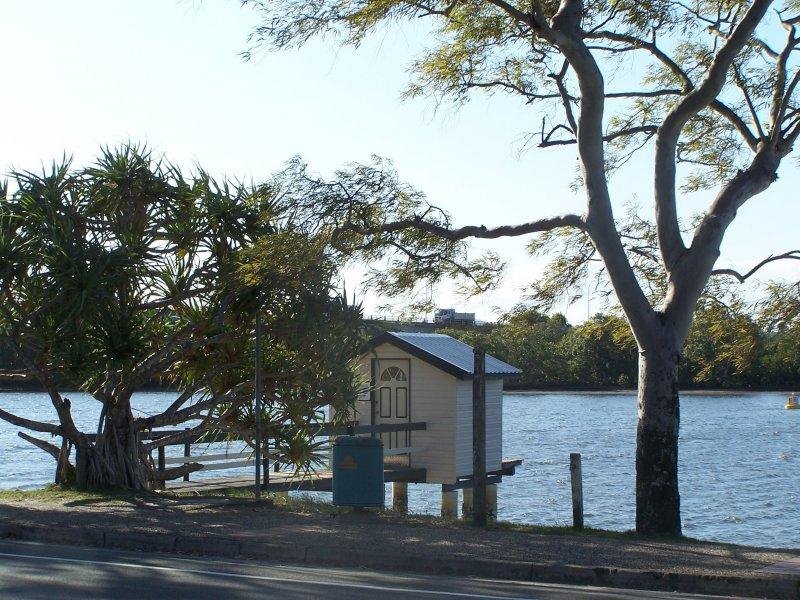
348	462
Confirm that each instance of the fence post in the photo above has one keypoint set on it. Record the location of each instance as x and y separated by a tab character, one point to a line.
400	497
577	490
162	464
479	438
187	451
81	466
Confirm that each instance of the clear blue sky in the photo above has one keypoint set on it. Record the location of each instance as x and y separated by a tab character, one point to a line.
78	74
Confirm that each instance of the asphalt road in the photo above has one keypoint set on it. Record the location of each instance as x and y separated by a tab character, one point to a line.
33	571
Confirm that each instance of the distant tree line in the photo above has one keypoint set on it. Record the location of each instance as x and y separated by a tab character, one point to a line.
730	346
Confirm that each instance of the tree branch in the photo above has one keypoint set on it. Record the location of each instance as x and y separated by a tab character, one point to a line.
566	99
61	405
174	417
724	110
651	129
30	424
476	231
650	47
513	88
170	352
742	85
779	98
742	277
51	449
600	224
646	94
691	275
177	438
781	113
515	13
669	235
185	295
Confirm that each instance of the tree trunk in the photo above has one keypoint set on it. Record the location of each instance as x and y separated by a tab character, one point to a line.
117	458
65	472
658	505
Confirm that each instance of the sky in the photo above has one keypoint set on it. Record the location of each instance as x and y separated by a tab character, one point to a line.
81	74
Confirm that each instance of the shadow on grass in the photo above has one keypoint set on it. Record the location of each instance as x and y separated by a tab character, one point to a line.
306	521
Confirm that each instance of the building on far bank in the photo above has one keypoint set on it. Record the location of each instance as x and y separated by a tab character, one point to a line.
449	316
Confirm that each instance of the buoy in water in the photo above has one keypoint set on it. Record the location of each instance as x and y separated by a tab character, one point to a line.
791	402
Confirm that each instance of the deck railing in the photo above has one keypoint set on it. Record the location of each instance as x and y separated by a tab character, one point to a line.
218	461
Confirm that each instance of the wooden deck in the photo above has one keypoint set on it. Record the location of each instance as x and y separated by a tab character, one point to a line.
323	480
284	482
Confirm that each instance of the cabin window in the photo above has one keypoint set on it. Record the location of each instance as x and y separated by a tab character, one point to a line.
394	374
401	407
386	402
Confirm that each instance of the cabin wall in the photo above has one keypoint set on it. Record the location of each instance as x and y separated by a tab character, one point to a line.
494	426
432	399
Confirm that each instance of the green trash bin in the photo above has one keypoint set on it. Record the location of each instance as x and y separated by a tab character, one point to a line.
357	471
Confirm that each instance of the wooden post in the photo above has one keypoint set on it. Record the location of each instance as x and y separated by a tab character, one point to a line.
466	503
162	465
257	407
187	451
161	458
577	490
81	466
479	438
491	502
400	497
449	503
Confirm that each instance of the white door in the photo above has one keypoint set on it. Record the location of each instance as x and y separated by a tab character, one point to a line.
392	400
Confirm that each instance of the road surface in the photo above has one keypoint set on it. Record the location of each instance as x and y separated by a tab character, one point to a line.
33	571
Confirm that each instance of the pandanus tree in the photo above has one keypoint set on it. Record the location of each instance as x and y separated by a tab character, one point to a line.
128	272
710	86
310	344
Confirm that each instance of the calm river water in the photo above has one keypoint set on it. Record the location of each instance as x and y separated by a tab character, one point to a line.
739	469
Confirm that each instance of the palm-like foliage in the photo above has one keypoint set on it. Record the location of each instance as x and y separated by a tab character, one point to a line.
129	272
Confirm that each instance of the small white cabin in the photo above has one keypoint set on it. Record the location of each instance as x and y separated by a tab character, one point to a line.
427	377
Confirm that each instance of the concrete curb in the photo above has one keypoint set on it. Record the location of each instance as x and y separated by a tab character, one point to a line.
765	586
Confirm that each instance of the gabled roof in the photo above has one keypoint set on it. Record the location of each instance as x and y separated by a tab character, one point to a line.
444	352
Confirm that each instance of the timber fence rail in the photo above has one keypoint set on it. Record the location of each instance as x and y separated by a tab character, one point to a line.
218	460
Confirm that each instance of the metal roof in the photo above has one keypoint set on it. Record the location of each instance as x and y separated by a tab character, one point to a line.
445	352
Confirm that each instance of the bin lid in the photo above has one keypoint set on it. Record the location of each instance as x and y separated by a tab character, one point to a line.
357	440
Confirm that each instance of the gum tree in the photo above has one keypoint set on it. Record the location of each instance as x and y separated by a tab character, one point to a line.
710	85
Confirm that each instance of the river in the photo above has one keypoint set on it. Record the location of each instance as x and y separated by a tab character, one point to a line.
739	460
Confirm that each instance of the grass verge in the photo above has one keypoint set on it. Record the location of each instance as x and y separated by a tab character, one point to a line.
301	504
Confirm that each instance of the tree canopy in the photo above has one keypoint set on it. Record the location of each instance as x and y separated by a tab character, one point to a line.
709	86
730	346
128	271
